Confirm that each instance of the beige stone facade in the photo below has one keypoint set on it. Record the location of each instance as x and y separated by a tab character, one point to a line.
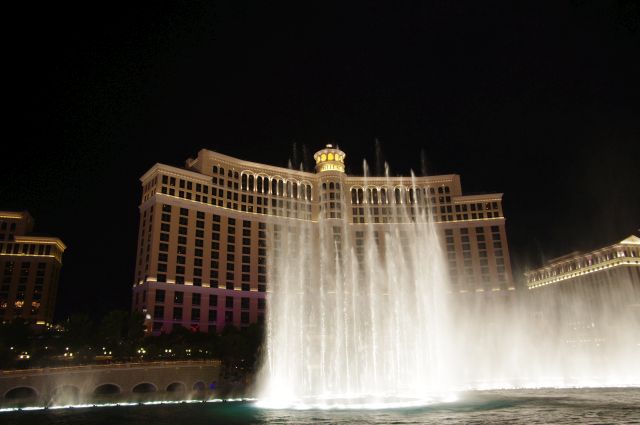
30	268
591	297
576	267
202	243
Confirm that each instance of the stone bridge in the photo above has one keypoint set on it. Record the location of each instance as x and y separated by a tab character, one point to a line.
109	383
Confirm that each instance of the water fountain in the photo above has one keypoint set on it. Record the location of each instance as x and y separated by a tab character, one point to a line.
357	316
362	316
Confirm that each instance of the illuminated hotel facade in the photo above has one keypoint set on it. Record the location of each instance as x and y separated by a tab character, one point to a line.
583	291
204	232
30	267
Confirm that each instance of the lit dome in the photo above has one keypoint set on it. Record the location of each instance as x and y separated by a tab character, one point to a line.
329	159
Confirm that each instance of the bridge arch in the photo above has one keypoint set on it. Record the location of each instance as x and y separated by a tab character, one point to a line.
19	393
107	389
176	387
144	387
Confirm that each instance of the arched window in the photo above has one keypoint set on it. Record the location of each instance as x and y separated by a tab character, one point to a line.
295	190
244	182
369	197
354	196
360	196
374	194
251	182
259	183
332	186
265	185
214	169
274	187
221	171
383	195
398	195
308	192
280	188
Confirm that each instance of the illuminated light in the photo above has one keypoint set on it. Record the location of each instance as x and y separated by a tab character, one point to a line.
28	255
41	240
330	156
10	215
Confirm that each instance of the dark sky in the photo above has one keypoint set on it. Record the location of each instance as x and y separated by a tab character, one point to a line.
538	101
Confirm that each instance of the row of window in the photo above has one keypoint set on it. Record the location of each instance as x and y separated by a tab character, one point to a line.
179	316
177	297
481	244
398	195
25	249
197	270
276	186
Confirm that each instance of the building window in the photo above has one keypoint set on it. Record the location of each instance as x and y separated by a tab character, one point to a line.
158	312
160	295
244	302
177	313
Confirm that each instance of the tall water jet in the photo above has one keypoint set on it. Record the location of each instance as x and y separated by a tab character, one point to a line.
364	309
357	312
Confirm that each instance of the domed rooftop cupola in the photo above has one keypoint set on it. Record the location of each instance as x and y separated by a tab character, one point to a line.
329	159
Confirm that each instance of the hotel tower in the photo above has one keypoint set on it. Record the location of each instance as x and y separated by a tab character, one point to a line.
30	267
205	232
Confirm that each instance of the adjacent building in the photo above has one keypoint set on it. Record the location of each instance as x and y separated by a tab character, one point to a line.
203	236
30	267
590	295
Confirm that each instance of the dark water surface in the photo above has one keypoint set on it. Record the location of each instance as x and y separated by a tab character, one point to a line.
545	406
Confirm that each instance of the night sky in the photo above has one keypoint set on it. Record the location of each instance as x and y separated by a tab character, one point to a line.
538	101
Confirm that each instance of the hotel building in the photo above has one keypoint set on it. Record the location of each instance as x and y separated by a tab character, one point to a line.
30	267
588	292
203	236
